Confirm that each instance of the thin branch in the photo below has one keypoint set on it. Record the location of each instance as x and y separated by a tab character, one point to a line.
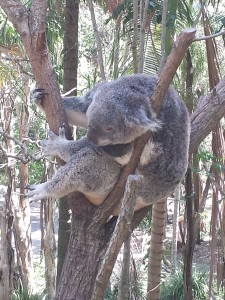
169	70
207	37
135	35
97	38
163	36
142	37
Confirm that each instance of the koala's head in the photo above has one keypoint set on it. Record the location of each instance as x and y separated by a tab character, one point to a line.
117	116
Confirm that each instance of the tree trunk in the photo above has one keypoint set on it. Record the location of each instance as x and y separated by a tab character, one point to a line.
85	252
70	67
22	226
124	285
6	254
190	243
175	230
156	250
50	248
70	46
6	250
97	39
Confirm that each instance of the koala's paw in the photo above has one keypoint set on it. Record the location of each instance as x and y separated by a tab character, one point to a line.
36	192
38	95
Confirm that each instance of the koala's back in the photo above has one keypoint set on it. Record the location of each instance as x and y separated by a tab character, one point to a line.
164	160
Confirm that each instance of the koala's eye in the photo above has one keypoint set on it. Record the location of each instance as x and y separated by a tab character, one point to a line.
108	128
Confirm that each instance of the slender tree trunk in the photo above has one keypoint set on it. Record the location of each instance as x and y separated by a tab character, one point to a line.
142	35
163	35
50	248
156	253
6	253
135	36
116	49
70	67
22	225
196	185
175	230
97	39
124	285
213	232
70	46
189	247
6	250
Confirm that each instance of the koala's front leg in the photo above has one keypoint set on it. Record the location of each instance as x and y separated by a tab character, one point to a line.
38	191
57	145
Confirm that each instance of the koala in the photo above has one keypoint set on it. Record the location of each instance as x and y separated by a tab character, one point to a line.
115	114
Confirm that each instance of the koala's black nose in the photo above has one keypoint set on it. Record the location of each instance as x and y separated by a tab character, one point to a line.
91	135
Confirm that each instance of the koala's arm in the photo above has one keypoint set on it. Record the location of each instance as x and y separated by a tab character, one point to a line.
58	145
75	107
88	170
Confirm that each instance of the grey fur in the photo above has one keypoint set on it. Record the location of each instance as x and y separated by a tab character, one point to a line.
116	113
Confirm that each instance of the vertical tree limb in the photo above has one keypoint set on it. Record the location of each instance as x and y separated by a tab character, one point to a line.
135	36
97	39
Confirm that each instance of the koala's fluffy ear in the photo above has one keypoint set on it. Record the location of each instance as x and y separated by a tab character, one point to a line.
141	120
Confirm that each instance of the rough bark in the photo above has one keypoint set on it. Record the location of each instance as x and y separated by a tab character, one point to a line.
6	250
70	67
207	114
6	255
70	46
189	247
135	36
22	226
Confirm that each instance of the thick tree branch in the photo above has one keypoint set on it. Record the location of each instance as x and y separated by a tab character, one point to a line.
203	119
30	24
113	199
121	231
